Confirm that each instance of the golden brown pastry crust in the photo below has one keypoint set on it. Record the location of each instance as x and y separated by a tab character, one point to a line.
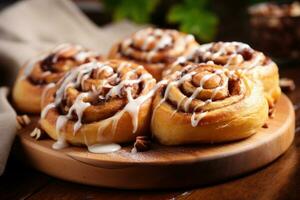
111	103
48	68
237	56
154	48
205	103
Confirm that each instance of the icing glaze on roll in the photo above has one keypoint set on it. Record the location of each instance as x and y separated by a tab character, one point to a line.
47	63
212	85
85	93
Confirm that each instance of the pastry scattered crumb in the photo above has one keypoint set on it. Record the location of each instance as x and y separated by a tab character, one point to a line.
36	133
142	143
22	121
287	85
271	112
265	125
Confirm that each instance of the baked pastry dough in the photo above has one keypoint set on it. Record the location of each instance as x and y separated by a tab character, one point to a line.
99	102
154	48
204	103
237	56
47	68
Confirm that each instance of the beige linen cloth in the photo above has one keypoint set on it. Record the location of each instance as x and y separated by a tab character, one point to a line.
32	26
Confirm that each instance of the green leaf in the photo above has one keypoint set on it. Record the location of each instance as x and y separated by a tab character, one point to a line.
193	17
176	14
136	10
198	3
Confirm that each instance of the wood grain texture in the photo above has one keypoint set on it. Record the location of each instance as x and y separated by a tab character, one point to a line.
163	166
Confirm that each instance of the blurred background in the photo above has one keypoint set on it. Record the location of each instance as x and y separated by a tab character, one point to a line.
272	27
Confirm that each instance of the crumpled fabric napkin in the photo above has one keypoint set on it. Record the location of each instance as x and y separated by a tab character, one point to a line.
7	127
31	26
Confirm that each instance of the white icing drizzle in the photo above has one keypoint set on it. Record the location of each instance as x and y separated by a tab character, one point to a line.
60	143
150	55
163	42
49	86
147	41
133	105
46	73
132	108
196	117
104	148
60	122
159	39
134	150
197	91
207	53
46	109
77	76
30	64
79	106
235	56
175	83
180	60
80	56
83	55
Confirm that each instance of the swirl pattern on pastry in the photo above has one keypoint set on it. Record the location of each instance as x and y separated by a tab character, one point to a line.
154	48
46	69
237	56
207	103
99	102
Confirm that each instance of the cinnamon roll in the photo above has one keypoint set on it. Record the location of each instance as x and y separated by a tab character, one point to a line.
46	69
99	102
154	48
237	56
204	103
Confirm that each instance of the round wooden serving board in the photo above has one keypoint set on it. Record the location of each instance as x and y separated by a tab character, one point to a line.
162	166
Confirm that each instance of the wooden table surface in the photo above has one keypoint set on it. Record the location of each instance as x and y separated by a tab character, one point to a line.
279	180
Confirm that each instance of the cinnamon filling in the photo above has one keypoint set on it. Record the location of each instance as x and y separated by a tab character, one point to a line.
229	54
107	92
155	45
53	66
201	88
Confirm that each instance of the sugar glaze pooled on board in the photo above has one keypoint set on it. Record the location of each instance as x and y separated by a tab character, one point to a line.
104	148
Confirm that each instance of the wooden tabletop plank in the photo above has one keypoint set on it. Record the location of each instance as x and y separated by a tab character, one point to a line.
66	191
20	182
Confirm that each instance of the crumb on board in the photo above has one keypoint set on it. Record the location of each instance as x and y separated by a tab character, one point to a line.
36	133
287	85
22	121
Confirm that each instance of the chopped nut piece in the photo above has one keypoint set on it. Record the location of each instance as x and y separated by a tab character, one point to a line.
36	133
142	143
23	121
287	84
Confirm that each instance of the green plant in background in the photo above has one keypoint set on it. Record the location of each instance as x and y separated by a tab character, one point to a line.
138	11
262	1
194	17
191	16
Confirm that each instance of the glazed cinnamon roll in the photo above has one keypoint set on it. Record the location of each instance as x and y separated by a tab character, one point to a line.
205	103
154	48
99	102
237	56
48	68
